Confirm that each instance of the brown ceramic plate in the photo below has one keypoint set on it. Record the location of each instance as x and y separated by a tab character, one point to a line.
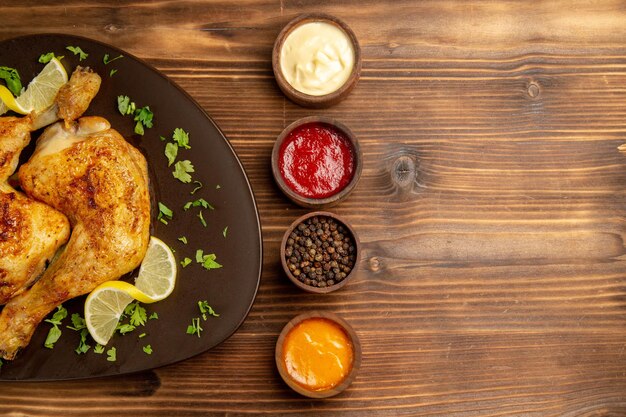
230	290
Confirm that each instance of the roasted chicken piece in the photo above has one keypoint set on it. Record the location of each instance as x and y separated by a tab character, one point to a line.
100	182
31	232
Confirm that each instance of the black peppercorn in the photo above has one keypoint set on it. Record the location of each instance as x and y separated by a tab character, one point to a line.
320	252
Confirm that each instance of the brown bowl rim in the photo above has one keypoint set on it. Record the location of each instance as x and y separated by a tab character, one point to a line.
318	203
356	346
309	288
307	100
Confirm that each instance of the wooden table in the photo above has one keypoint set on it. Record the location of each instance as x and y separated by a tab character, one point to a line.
491	206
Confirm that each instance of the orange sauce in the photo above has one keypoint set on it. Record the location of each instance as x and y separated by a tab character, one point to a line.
318	354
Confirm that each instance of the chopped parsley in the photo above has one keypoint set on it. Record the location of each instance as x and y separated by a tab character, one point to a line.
147	349
107	59
153	316
206	310
112	354
171	151
181	138
182	170
225	231
45	58
76	50
201	202
165	213
141	336
83	347
137	313
12	78
185	262
199	186
99	349
202	219
207	261
125	328
78	324
125	106
112	72
143	117
183	239
195	327
55	333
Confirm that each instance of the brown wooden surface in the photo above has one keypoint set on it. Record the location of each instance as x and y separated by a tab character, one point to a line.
491	206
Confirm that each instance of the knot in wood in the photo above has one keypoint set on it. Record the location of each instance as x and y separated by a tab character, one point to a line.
403	171
533	90
375	264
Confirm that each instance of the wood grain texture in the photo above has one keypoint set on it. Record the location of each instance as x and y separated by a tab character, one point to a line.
491	208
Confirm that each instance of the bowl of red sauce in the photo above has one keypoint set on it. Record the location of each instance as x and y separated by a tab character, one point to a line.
318	354
317	162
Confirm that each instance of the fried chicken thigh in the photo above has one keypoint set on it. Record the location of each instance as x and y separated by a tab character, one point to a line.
31	232
87	171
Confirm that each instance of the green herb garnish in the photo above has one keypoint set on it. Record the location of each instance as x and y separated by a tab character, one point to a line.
125	328
55	333
137	313
201	202
195	327
83	347
76	50
183	239
12	78
206	310
182	170
45	58
78	324
197	187
171	151
185	262
181	138
225	231
112	72
147	349
98	349
112	354
143	117
153	316
165	213
125	106
141	336
209	262
107	59
202	219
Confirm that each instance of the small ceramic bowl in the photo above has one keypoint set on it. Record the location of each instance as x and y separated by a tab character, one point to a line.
318	203
308	100
337	285
356	362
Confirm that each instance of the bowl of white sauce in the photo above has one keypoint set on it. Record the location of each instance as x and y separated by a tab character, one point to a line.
316	60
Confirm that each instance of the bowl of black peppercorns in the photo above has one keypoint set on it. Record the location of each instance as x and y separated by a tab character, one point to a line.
320	252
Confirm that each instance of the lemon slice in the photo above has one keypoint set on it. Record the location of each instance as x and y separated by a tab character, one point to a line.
156	280
157	274
10	103
42	90
103	309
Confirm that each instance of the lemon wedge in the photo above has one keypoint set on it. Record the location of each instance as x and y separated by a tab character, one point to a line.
41	91
10	103
156	280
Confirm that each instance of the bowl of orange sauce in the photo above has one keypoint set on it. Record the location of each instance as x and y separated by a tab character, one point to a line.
318	354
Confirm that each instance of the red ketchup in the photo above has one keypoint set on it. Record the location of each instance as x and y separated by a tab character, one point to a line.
316	160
